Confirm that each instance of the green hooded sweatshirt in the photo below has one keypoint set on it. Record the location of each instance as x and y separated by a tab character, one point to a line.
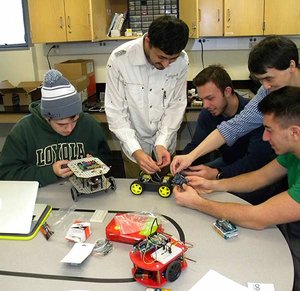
33	146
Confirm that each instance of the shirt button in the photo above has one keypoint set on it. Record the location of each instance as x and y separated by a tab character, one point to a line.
150	89
150	106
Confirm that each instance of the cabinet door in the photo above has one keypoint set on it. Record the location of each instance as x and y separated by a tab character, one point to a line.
78	20
47	21
210	17
189	13
282	17
203	17
100	19
243	17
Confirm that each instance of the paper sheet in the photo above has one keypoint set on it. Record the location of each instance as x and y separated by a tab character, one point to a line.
212	280
78	253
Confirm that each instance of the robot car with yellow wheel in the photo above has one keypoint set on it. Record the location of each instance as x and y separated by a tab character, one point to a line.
161	184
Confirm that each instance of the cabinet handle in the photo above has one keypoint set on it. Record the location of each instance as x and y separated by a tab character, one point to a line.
228	18
218	15
228	15
69	24
89	18
61	22
199	14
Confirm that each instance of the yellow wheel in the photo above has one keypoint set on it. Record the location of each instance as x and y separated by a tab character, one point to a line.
166	178
164	191
136	188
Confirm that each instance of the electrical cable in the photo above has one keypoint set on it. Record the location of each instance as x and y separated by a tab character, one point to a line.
202	53
47	56
103	247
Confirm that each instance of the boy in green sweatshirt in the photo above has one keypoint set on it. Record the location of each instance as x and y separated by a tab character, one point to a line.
56	132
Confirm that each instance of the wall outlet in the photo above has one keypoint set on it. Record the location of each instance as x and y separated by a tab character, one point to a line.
56	49
252	42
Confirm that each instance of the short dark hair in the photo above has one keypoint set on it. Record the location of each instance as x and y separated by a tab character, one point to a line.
168	34
216	74
284	103
272	52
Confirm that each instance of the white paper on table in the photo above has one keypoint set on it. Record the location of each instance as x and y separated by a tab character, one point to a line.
78	253
212	280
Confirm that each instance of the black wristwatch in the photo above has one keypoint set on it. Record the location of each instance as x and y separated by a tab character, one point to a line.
220	174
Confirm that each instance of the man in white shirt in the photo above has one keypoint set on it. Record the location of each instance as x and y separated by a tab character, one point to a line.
145	96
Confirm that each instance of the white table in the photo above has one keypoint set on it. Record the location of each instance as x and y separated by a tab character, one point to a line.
254	256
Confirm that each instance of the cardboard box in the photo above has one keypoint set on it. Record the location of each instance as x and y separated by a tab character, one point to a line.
23	94
27	92
76	68
91	89
73	69
81	85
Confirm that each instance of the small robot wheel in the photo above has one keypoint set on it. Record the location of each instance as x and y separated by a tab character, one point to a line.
164	190
173	271
74	194
136	188
113	185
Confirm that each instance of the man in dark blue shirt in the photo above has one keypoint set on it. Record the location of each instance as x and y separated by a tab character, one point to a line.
250	152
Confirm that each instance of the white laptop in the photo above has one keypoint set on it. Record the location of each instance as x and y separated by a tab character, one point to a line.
17	204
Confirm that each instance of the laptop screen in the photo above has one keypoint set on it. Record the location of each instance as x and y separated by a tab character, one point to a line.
17	202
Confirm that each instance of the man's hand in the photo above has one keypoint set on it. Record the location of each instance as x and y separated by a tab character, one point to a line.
163	156
145	162
202	185
61	169
201	171
180	163
189	195
186	196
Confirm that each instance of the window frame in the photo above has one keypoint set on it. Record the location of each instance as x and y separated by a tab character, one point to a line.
27	44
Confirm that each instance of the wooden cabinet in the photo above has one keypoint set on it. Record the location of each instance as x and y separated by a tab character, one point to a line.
210	17
88	20
240	17
261	17
188	12
67	20
243	17
222	17
282	17
204	17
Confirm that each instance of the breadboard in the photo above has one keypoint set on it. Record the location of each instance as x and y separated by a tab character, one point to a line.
99	167
166	254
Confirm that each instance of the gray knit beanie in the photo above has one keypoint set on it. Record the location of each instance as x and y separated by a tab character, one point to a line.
59	98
